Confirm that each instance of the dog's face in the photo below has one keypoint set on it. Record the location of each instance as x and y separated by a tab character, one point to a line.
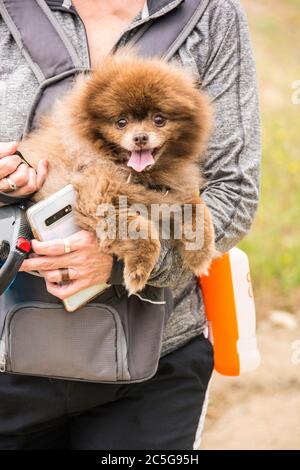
144	113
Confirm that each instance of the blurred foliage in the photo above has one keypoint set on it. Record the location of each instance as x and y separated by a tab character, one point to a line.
274	242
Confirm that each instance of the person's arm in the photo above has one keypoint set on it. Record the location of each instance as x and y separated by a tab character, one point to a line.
233	156
233	159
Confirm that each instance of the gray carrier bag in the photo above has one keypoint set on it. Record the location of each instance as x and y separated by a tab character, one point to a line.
115	338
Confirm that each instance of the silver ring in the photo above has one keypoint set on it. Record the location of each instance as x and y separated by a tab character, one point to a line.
67	245
65	276
11	183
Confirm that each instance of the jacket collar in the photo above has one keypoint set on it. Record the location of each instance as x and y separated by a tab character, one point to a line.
154	6
59	5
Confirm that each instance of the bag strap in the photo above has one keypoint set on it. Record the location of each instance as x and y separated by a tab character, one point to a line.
36	30
165	34
47	50
42	41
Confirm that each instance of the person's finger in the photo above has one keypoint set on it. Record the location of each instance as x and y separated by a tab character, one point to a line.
8	165
5	186
77	241
30	187
7	148
41	173
51	248
56	275
19	177
66	290
81	239
47	263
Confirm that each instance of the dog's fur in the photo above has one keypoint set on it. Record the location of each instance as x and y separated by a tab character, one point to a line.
85	147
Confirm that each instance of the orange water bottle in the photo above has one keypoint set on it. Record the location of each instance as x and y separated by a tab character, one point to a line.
230	310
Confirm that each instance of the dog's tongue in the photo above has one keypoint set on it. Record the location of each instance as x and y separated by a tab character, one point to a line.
140	159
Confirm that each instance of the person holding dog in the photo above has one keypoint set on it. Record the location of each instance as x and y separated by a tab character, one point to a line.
167	411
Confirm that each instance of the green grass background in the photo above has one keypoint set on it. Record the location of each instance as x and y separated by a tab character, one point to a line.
274	242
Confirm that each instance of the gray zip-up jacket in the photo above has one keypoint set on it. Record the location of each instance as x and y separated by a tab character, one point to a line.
218	52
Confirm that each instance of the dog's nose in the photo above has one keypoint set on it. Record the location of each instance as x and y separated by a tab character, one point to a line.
141	139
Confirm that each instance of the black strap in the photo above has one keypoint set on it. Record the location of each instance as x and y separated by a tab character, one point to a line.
17	152
7	199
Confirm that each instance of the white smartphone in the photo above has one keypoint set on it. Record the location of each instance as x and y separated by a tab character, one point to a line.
54	218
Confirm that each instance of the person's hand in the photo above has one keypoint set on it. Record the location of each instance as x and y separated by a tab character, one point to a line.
87	266
26	179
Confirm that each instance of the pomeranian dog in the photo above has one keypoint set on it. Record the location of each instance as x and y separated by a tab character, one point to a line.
137	128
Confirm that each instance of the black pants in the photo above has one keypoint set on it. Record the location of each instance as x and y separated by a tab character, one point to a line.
162	413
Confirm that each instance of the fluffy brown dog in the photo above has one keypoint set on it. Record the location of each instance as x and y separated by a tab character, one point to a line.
136	128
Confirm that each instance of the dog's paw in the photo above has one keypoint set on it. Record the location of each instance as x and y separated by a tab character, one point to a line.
202	269
136	278
198	262
138	267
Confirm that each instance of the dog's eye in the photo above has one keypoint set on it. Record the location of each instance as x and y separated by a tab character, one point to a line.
121	123
159	120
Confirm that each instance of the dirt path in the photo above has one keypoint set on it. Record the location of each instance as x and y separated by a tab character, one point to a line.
260	410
